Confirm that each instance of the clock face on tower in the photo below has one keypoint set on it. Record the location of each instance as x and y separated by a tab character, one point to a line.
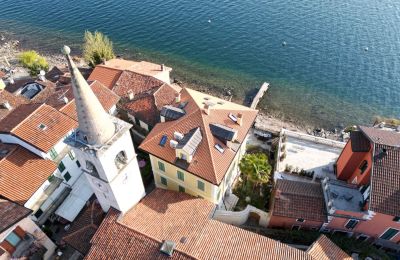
100	186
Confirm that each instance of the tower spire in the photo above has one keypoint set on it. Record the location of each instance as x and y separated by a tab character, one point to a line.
95	125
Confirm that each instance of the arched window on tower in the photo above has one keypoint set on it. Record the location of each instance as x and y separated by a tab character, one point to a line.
121	159
92	169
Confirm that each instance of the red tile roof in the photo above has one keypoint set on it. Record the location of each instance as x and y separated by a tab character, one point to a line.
294	199
107	76
25	120
13	100
48	89
11	213
208	163
168	215
84	227
385	180
381	136
22	173
137	83
325	249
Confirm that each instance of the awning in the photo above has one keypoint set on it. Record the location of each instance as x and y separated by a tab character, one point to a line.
76	200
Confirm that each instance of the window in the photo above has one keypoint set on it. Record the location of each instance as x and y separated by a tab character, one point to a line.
120	160
300	220
67	176
396	219
181	176
164	181
61	167
161	166
71	155
200	185
389	234
181	189
53	154
38	213
91	169
351	224
13	239
362	237
78	163
363	166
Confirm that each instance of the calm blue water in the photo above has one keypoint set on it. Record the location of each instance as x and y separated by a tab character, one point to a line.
323	75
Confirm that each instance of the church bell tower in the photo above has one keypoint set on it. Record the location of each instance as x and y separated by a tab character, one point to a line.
104	148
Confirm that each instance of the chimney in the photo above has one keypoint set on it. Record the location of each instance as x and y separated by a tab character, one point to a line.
12	80
173	144
207	109
178	136
239	119
65	99
162	67
7	105
41	76
131	95
177	97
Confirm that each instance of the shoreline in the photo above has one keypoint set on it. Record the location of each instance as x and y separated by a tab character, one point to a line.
10	47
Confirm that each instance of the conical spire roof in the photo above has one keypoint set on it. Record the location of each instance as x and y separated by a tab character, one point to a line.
95	125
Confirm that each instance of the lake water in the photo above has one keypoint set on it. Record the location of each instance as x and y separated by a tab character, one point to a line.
340	63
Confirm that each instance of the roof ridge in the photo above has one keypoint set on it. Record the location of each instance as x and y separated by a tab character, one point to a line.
26	118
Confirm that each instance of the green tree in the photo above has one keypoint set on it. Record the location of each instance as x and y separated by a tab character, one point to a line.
97	48
255	169
33	62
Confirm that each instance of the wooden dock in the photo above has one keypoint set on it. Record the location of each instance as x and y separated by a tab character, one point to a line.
259	95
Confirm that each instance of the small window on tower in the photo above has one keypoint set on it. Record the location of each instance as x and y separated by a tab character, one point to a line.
91	169
121	159
363	166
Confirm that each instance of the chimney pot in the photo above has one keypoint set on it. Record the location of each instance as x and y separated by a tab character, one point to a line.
173	144
177	97
131	95
239	119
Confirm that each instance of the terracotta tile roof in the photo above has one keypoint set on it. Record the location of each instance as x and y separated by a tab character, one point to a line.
84	227
13	100
107	76
25	120
143	109
54	74
11	213
48	89
295	199
22	173
359	143
325	249
385	180
137	83
381	136
208	163
141	67
168	215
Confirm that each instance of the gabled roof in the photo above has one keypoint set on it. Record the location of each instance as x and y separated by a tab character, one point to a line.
107	76
48	89
13	100
84	227
381	136
185	220
11	213
325	249
208	163
385	180
137	83
38	124
190	141
22	173
294	199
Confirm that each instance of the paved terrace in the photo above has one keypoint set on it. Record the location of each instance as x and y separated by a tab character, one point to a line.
309	153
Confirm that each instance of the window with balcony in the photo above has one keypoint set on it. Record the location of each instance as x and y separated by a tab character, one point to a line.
161	166
200	185
352	223
363	166
61	167
389	234
181	176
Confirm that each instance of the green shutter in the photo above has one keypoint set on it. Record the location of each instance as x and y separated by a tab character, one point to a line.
71	155
53	154
181	189
181	176
200	185
67	176
61	167
164	181
161	166
78	163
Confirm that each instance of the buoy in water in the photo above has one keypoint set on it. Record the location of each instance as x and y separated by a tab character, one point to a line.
366	49
284	43
209	21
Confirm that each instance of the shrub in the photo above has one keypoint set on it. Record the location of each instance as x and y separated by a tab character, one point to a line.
33	62
97	48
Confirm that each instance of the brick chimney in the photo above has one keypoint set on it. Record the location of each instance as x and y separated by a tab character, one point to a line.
239	119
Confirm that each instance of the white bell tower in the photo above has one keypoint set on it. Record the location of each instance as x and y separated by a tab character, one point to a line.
104	148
